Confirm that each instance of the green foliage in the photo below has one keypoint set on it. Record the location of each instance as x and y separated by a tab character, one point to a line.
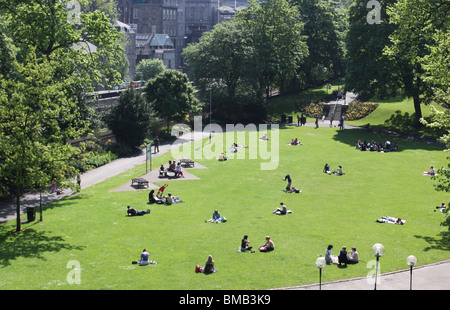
277	41
171	96
368	70
324	26
52	63
129	119
436	65
149	68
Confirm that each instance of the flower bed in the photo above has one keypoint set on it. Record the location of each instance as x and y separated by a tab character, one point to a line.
314	109
357	110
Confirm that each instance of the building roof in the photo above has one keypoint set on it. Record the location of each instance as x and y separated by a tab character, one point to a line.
161	40
123	27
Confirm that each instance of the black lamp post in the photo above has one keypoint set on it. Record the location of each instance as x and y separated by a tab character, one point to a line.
320	263
377	251
411	260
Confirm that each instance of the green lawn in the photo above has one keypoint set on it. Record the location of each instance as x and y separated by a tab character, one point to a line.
92	228
398	114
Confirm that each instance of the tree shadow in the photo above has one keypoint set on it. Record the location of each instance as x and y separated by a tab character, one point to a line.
442	243
30	244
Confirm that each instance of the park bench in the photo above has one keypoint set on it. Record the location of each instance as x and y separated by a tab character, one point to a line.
140	182
165	174
187	162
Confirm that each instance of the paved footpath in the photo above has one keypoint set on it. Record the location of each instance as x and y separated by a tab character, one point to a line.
428	277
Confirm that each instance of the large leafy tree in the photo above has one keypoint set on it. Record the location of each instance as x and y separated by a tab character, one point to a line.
416	21
278	44
368	70
222	57
171	96
130	119
324	25
54	63
149	68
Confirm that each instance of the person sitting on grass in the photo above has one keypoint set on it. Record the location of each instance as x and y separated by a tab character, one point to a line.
268	246
168	201
144	259
132	212
342	258
215	217
352	256
222	157
152	198
326	169
442	207
329	258
209	266
245	245
282	211
339	171
431	172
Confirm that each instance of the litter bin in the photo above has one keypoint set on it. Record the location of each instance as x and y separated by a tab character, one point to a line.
283	118
290	119
31	214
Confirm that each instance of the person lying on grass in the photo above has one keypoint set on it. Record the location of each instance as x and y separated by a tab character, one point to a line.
132	212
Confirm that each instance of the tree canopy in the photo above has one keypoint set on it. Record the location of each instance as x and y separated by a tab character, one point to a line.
54	62
171	96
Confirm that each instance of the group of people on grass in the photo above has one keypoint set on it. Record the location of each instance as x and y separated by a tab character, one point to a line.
295	142
268	246
159	198
344	257
373	146
338	171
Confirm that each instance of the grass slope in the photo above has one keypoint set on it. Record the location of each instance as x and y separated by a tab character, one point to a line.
92	228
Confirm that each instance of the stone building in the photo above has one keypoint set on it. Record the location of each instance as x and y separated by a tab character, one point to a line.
183	20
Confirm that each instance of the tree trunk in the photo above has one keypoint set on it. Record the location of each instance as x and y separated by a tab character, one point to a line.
18	228
417	110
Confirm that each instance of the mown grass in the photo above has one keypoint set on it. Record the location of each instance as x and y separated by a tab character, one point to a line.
92	228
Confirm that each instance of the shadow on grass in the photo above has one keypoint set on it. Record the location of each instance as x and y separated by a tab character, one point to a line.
30	244
404	141
442	243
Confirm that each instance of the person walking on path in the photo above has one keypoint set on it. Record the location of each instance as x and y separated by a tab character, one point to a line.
156	144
